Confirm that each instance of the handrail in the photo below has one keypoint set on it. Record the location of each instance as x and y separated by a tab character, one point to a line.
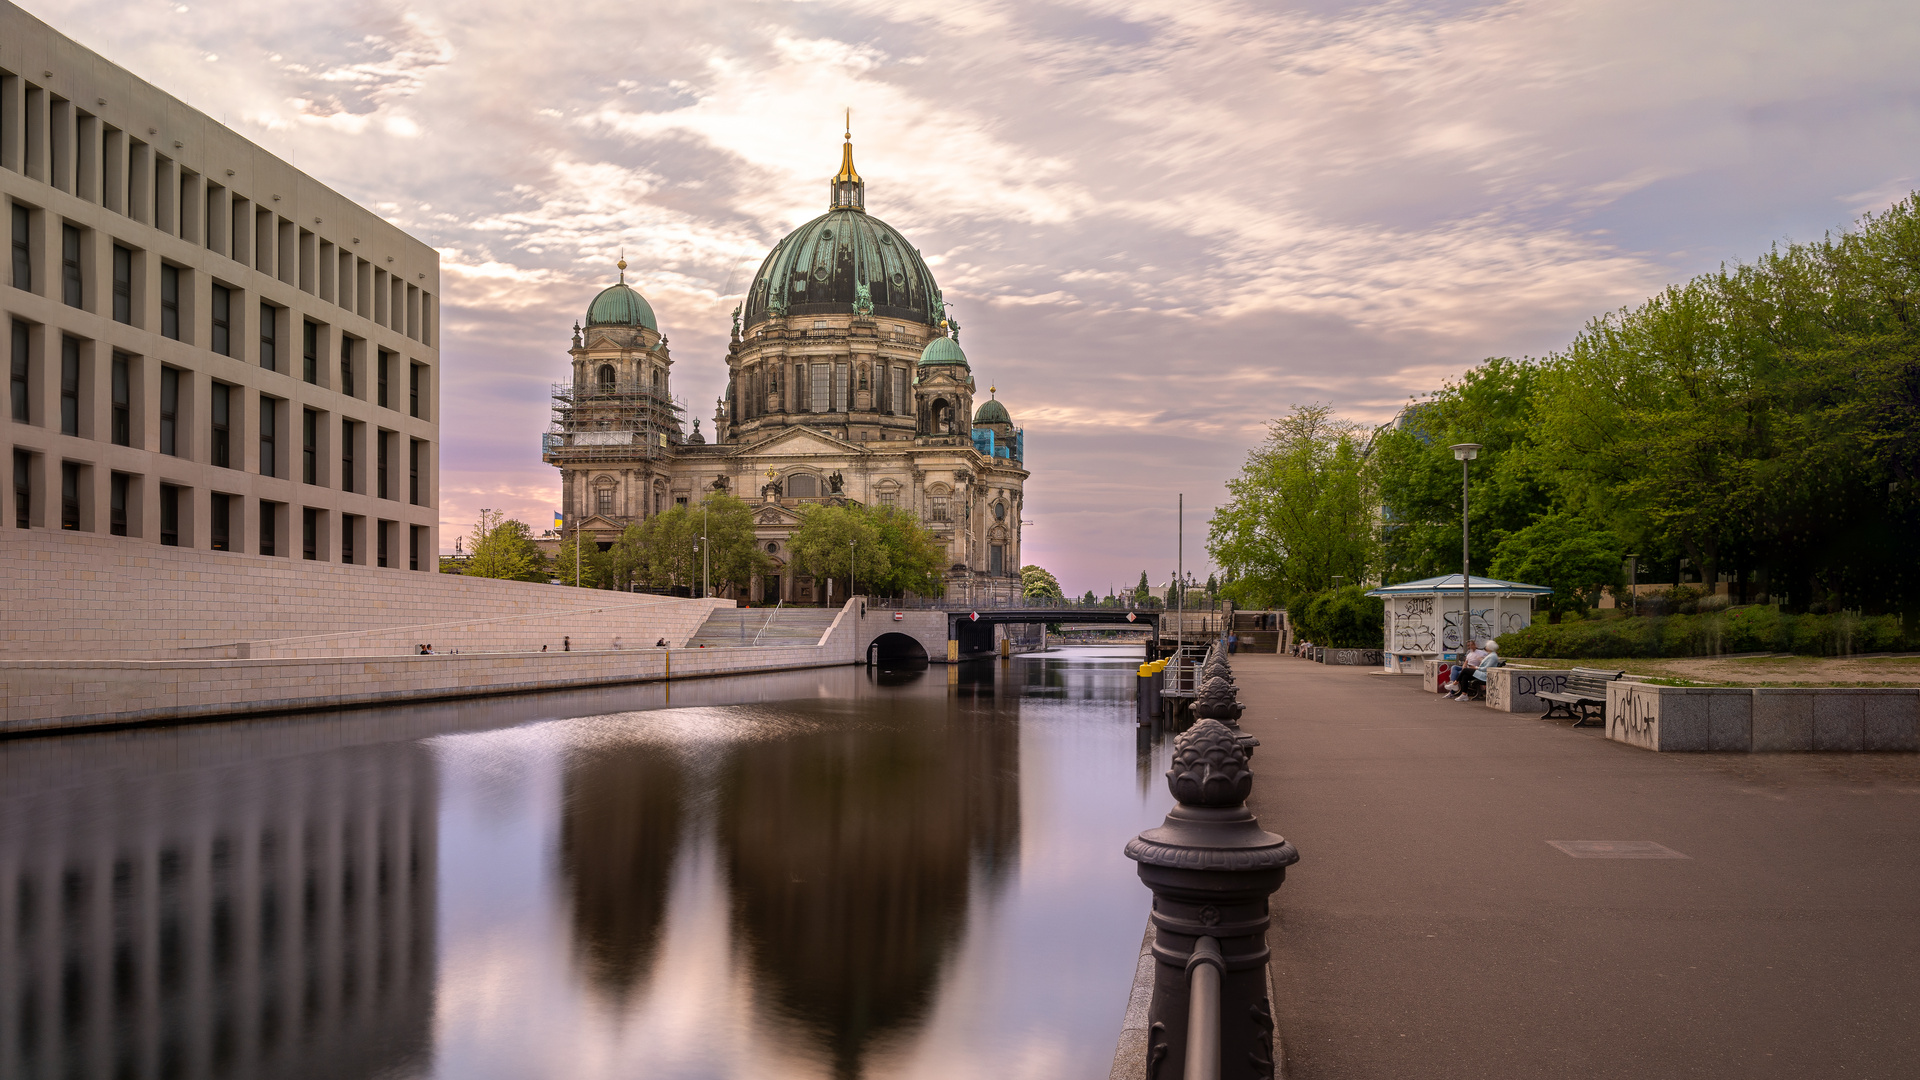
1203	1010
770	617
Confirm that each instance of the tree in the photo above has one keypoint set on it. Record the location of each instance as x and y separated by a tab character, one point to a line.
1300	514
504	549
664	550
1036	582
916	558
582	555
1143	592
1565	553
839	542
1342	618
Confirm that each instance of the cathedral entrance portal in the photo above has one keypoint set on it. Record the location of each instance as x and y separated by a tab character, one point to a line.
770	589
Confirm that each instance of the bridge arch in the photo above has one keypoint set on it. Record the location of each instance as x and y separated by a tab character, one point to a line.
895	647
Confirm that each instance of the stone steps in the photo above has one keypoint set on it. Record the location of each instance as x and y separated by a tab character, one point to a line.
784	626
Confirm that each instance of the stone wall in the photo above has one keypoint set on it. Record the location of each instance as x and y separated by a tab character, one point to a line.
1348	657
1759	720
90	597
1513	689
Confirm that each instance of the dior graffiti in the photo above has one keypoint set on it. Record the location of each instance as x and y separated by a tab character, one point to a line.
1529	685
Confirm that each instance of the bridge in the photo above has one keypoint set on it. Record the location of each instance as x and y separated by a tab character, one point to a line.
969	627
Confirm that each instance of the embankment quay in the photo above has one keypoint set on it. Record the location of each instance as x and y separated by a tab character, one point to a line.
1452	915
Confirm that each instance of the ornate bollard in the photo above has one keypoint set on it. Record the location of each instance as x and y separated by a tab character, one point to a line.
1211	868
1215	701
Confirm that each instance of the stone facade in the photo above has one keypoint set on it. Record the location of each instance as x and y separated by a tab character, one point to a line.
846	383
206	347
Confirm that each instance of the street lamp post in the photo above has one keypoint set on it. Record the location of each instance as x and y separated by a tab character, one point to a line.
706	583
1465	453
850	545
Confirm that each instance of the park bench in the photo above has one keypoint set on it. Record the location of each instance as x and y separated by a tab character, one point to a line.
1586	689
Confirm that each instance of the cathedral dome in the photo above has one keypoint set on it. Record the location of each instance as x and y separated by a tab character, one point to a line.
942	350
845	261
992	412
619	305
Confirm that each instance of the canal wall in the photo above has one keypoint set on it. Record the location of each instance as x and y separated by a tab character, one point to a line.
94	597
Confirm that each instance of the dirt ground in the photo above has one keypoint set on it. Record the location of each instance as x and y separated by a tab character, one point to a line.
1760	670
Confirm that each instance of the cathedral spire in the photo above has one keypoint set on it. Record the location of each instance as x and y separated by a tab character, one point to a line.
849	192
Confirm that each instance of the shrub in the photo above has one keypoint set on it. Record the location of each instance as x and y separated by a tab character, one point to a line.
1343	618
1755	628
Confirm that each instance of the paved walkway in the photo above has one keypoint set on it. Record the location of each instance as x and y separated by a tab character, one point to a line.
1431	931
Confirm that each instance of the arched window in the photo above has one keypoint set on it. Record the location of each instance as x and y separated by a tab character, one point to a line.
606	376
803	486
942	417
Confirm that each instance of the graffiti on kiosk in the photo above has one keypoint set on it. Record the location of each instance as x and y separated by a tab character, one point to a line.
1482	627
1412	632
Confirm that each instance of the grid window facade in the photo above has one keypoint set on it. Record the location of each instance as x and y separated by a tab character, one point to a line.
72	292
170	302
22	247
122	284
221	340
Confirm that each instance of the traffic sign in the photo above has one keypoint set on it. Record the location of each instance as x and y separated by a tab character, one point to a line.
973	616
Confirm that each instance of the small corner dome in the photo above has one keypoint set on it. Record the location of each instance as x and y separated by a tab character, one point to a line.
942	350
992	412
619	305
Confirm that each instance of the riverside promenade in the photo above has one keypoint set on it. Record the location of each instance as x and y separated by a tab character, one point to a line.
1432	931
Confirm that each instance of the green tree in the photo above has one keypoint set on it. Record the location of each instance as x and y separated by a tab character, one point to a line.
1037	582
1343	618
1300	514
664	550
1568	555
916	558
1143	592
503	548
592	565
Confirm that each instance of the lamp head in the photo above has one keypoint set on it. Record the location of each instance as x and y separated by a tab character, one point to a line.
1465	451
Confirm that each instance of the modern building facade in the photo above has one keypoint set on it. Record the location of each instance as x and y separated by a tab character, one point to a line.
206	347
845	383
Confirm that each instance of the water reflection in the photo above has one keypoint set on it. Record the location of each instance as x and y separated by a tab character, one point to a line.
826	873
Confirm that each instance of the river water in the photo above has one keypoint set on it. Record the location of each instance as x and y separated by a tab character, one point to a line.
828	873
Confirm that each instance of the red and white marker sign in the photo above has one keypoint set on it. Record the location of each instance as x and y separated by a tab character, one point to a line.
1130	616
899	616
973	616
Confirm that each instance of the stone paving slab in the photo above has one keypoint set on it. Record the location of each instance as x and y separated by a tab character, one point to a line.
1431	930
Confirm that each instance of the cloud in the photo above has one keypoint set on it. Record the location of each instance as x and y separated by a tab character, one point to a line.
1160	224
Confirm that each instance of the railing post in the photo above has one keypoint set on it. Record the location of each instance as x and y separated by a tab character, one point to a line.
1211	868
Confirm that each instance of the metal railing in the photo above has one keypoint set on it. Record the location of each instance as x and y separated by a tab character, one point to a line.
1203	1010
770	617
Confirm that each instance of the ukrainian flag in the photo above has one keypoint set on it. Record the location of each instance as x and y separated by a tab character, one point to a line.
559	520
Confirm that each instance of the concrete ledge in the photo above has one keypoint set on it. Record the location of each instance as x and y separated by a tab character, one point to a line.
1348	657
1764	720
1516	689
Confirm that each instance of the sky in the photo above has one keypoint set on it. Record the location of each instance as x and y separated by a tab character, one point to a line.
1160	225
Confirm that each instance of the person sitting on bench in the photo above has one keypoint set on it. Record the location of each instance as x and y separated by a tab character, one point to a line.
1474	686
1467	663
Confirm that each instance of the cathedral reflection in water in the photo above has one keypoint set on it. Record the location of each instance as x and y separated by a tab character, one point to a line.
234	909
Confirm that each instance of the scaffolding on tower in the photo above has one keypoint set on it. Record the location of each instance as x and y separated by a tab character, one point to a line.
623	422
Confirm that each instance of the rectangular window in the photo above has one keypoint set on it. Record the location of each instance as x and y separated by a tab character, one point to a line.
887	498
122	402
69	385
996	559
170	301
842	397
269	513
937	506
222	342
70	265
169	409
222	425
415	537
900	391
386	362
348	524
413	471
219	520
309	446
310	352
380	543
169	515
269	337
22	248
269	464
380	439
346	366
309	533
415	376
822	396
603	501
21	391
120	487
22	489
346	457
122	284
69	495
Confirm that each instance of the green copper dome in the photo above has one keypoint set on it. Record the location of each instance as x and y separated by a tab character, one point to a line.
992	412
619	305
942	350
844	262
